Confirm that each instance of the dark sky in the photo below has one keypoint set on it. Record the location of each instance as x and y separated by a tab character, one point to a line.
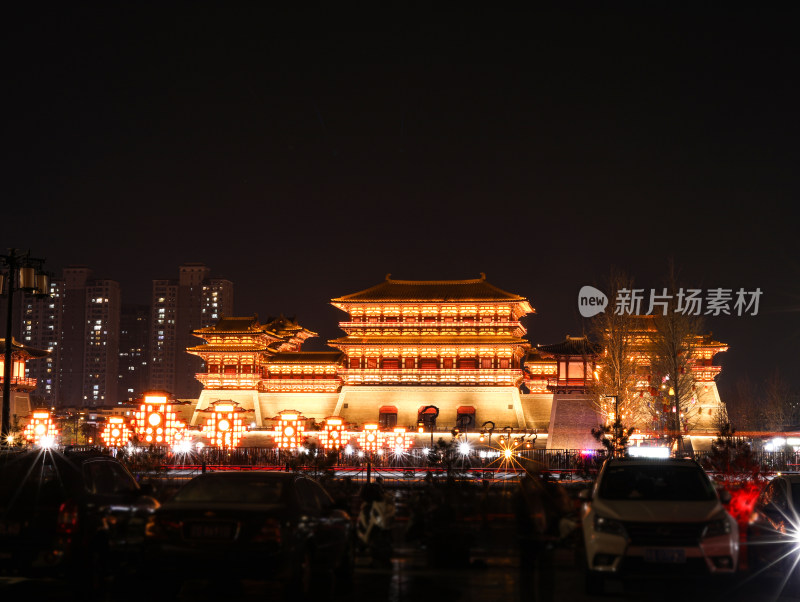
304	154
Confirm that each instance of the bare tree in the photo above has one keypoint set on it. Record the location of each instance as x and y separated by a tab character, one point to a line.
674	340
776	405
615	384
744	406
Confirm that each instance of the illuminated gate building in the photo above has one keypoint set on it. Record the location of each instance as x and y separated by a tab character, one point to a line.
443	353
456	345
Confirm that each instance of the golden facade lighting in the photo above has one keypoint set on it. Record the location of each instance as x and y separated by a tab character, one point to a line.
289	430
225	427
41	430
116	433
371	439
156	423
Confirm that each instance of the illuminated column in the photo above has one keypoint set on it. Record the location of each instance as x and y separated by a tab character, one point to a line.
289	429
116	433
225	427
41	430
155	422
332	435
371	439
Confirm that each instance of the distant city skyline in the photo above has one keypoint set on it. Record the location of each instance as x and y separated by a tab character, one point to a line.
302	155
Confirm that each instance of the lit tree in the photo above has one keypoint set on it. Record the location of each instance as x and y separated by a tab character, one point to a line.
674	339
616	378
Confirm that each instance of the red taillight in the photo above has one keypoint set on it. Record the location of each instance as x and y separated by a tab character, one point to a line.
270	531
160	528
68	517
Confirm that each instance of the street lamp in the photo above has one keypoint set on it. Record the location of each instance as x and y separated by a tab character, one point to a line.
484	431
25	273
433	422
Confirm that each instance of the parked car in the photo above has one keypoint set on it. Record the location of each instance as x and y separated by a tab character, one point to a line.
256	525
77	514
773	535
656	516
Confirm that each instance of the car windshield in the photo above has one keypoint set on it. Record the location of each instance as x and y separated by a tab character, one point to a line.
656	482
232	489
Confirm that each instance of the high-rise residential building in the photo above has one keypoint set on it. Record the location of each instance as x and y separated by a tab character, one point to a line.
179	307
101	336
134	331
79	324
41	327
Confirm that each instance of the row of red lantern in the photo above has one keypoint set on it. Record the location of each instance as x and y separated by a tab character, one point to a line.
155	423
290	434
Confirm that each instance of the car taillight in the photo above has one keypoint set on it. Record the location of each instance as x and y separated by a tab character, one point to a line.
158	528
270	531
68	518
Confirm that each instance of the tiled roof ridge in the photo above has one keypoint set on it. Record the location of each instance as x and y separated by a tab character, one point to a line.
477	289
438	282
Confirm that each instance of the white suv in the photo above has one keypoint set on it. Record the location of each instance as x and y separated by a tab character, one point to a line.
647	516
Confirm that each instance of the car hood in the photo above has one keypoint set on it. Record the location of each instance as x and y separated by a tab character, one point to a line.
658	511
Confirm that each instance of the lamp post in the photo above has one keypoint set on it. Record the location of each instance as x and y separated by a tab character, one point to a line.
31	280
491	430
435	416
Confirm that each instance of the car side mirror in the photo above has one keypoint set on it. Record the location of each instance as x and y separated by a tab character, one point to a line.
585	495
725	496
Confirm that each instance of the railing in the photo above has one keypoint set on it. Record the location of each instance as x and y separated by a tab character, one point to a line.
568	382
330	384
21	381
440	375
421	324
218	380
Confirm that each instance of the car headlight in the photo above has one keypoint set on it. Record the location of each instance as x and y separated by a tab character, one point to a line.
717	527
608	525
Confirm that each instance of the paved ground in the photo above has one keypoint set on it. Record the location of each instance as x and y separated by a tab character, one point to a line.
487	570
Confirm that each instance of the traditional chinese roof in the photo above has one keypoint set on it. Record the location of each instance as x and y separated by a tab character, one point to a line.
23	350
306	357
431	291
572	346
228	348
244	325
287	327
535	356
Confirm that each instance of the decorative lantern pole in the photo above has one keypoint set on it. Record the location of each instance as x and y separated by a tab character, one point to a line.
41	430
371	439
288	429
399	442
155	422
116	433
332	438
225	427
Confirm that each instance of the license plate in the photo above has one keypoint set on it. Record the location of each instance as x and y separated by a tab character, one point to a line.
665	555
219	531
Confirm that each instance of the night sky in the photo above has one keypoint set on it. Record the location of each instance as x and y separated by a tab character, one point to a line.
304	155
